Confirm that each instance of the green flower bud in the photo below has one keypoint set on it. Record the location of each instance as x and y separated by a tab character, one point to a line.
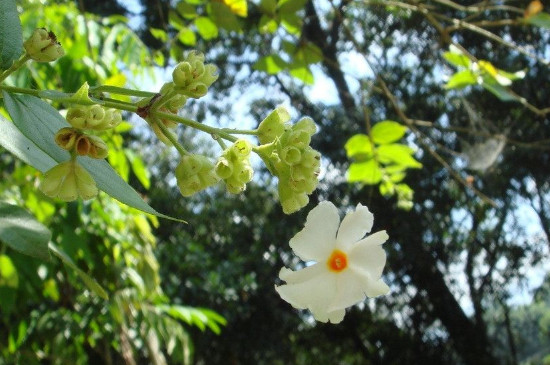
241	149
273	126
96	116
224	168
68	181
192	77
66	138
112	119
195	173
307	125
297	138
42	46
291	155
78	116
291	201
176	103
98	148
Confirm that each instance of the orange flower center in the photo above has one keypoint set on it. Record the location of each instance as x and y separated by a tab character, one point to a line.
337	261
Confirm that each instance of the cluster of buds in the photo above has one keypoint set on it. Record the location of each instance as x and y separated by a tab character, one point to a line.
296	164
93	117
195	173
234	168
72	139
68	181
42	46
192	77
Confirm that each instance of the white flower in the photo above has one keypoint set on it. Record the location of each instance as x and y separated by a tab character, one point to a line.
348	265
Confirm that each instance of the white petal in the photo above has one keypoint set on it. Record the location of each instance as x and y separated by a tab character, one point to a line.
333	317
368	256
316	293
299	276
377	288
350	289
354	227
316	241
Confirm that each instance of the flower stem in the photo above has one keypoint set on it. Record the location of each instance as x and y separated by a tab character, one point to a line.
120	91
253	132
24	58
195	125
170	137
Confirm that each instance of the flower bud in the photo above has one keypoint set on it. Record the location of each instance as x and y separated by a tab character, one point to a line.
83	145
68	181
42	46
241	149
192	77
66	137
195	173
224	168
273	126
98	148
307	125
77	116
290	201
291	155
96	116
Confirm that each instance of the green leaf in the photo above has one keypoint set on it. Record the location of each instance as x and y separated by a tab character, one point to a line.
186	10
498	90
398	154
387	131
224	17
291	6
267	24
367	172
268	6
21	231
8	272
540	20
187	37
139	168
457	59
87	279
292	22
199	317
206	28
302	73
359	147
159	34
11	37
38	122
271	64
23	148
461	79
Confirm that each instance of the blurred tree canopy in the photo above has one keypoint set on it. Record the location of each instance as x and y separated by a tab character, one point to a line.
463	190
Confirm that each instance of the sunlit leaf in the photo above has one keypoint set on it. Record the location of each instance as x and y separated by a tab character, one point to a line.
159	34
271	64
187	36
387	131
457	59
398	154
359	147
461	79
367	172
238	7
186	10
206	28
302	73
8	272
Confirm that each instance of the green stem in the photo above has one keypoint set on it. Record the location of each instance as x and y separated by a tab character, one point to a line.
253	132
193	124
20	90
24	58
170	137
120	91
